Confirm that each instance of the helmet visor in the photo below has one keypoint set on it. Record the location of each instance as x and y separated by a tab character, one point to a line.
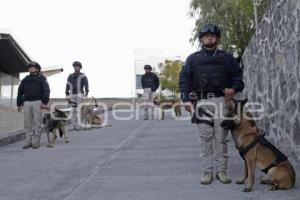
209	29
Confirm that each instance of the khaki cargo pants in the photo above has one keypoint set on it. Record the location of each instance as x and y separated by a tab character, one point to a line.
33	121
77	98
148	101
213	138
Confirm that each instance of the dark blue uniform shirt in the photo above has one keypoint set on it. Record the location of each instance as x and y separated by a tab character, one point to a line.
185	80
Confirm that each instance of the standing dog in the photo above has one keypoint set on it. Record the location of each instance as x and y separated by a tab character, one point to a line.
54	123
165	104
257	151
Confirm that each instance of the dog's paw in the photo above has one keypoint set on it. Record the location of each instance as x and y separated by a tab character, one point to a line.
247	189
266	182
274	187
239	182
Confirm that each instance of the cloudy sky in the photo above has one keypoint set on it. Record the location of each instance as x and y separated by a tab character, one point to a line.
102	34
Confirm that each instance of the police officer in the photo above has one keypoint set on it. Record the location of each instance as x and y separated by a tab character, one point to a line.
209	78
77	87
150	84
33	93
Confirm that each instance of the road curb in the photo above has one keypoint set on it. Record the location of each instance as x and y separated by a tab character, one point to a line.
12	138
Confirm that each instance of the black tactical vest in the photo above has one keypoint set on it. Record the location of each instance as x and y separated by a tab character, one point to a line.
210	74
33	87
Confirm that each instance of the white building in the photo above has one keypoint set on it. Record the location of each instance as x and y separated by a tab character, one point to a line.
153	57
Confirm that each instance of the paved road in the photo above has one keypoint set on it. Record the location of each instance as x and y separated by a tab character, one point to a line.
152	160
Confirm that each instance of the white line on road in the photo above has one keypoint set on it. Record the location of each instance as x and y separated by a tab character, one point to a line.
111	156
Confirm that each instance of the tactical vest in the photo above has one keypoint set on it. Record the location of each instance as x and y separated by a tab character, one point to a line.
210	74
33	87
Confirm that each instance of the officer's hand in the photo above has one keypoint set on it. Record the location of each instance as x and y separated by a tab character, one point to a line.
67	97
189	107
19	108
45	107
229	93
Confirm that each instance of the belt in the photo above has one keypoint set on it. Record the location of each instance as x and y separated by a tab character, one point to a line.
205	95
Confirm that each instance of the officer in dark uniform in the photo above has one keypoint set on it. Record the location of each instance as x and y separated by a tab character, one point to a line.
209	78
77	88
33	93
150	83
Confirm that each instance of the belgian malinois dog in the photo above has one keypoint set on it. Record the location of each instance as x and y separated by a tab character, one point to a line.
257	151
54	121
165	104
87	114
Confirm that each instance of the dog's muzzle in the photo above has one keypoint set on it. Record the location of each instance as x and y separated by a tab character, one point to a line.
228	124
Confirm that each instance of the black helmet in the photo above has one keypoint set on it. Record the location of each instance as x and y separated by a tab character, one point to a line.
77	63
209	28
148	67
34	64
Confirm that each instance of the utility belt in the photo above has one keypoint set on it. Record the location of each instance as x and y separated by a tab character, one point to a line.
197	96
31	99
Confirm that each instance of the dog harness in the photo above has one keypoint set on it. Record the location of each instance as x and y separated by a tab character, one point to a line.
280	157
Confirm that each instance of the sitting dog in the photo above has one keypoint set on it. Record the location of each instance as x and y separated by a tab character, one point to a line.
54	121
257	151
88	116
165	104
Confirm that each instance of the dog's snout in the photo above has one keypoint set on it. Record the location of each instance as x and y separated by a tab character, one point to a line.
227	125
224	125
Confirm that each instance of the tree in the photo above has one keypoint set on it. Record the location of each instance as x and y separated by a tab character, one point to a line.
169	77
234	17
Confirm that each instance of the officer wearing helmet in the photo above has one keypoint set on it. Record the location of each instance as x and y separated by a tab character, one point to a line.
33	93
77	87
150	84
208	79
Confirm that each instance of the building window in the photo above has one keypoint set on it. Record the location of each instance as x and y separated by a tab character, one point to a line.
8	89
15	87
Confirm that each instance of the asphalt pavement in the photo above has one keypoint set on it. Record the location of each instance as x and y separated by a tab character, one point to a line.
132	159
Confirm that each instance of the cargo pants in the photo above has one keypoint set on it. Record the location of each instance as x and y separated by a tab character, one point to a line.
33	121
212	137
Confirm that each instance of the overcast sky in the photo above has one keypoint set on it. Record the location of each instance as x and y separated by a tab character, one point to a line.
102	34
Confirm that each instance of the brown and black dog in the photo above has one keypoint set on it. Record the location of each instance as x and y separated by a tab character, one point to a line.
257	151
88	117
165	104
52	122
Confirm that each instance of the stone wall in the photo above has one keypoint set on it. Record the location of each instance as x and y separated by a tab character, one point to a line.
271	73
